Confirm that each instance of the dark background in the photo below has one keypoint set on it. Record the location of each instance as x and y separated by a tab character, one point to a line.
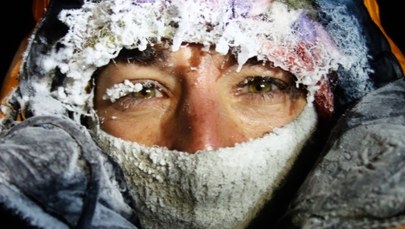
18	21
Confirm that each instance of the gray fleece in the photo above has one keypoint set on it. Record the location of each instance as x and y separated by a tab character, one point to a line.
52	175
360	182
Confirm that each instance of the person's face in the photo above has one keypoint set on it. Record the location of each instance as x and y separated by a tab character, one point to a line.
196	100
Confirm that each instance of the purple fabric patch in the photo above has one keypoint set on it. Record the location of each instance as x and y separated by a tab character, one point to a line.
305	28
241	7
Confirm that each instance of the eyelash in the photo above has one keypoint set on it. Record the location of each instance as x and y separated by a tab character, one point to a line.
129	95
262	87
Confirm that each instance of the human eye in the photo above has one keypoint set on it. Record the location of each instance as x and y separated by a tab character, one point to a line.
130	93
261	87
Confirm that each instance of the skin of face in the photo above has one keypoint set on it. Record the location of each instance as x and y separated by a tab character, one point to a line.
196	100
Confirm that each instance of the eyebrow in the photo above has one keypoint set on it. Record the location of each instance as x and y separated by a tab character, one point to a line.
151	54
255	61
145	57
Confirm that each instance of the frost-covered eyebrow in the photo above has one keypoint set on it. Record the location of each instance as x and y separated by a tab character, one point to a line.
255	61
146	57
152	54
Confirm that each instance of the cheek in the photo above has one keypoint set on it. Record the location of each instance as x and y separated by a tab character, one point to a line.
143	133
256	120
144	127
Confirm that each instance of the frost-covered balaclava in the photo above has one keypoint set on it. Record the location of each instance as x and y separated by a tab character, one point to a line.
222	188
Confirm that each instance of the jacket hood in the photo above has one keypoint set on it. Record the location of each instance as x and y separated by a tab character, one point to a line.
322	42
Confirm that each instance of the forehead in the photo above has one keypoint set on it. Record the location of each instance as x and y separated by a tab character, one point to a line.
188	57
189	54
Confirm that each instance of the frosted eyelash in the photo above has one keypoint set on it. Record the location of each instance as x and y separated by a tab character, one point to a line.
122	89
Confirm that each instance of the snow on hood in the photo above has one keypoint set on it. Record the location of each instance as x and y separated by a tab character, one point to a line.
308	38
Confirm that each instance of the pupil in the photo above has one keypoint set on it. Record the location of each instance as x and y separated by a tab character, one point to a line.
260	87
145	92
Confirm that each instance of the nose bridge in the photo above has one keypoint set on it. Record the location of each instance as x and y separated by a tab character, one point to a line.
200	115
198	120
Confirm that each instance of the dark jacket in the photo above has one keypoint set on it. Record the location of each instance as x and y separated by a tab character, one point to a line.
53	175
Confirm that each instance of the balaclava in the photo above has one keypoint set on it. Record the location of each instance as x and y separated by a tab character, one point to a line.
221	188
331	47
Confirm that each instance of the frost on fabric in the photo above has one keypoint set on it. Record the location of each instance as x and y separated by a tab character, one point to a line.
348	37
269	30
212	188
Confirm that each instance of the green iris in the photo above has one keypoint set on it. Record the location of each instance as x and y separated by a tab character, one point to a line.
259	85
148	91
